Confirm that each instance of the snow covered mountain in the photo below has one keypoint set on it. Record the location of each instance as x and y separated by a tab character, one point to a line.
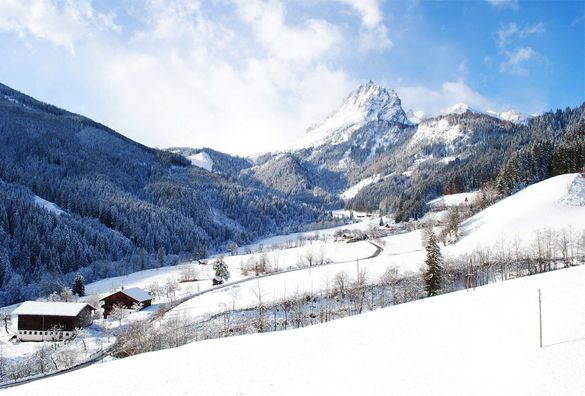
373	155
512	116
369	121
369	103
370	154
515	117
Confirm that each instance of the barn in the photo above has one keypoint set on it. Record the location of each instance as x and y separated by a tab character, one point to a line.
128	298
51	321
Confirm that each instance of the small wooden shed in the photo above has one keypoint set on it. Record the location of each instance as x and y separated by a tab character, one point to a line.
127	298
51	321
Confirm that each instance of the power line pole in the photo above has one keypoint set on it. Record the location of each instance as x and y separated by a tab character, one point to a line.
540	315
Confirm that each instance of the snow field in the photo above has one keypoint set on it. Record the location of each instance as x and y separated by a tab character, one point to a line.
482	342
355	189
555	203
201	160
552	203
453	199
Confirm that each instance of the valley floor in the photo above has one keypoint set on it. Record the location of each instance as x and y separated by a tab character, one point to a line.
480	342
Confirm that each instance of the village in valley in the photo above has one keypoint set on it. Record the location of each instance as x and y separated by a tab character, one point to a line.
269	197
292	281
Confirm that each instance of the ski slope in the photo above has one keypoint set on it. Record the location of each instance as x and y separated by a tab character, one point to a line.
482	342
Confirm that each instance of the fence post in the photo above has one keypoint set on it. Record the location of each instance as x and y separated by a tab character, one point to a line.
540	315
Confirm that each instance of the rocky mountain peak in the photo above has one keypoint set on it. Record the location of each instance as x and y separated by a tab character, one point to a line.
372	102
369	103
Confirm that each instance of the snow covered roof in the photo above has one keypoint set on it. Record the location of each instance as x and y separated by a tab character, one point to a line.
49	308
138	294
134	292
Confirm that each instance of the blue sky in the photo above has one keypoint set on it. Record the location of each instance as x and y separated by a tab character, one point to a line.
244	76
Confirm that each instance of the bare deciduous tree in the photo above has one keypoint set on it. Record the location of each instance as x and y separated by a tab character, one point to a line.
340	283
119	312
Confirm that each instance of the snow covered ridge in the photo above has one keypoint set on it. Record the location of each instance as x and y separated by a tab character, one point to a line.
370	102
513	116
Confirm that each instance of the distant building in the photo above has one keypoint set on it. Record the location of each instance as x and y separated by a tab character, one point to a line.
51	321
127	298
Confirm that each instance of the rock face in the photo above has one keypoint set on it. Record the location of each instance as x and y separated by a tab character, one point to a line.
369	103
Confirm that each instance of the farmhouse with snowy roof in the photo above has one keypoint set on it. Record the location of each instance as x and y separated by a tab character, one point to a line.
128	298
51	321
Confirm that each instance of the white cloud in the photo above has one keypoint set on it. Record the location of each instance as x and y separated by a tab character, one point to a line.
434	101
513	4
374	33
197	102
60	22
374	40
301	44
240	76
369	11
511	33
180	84
517	60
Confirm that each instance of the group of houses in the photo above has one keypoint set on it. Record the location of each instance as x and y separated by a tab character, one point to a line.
57	321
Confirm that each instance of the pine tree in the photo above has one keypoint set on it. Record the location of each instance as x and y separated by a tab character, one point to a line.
79	285
433	272
221	271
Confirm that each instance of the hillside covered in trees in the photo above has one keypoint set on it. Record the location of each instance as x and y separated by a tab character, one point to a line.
76	196
496	153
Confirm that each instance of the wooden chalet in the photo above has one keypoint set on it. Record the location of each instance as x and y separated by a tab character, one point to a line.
128	298
51	321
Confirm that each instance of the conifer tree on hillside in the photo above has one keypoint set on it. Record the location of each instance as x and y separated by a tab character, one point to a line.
222	274
79	285
434	269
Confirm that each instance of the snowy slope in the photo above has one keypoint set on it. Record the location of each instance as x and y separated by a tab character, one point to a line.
437	131
483	342
202	160
353	190
453	199
555	203
50	206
